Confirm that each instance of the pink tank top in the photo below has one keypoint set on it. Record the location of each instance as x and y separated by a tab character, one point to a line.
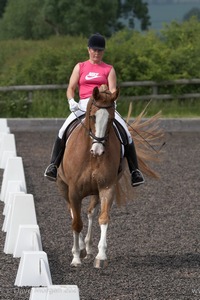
92	75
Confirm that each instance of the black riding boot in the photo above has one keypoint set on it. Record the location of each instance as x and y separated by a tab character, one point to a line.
130	154
56	157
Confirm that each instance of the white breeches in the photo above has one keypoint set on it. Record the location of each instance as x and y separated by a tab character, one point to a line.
81	111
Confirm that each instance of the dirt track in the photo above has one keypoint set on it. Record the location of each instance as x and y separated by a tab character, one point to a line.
153	243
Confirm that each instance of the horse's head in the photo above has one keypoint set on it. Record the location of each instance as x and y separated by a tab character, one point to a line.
103	97
101	115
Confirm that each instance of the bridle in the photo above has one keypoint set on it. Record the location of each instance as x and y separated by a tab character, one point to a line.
96	139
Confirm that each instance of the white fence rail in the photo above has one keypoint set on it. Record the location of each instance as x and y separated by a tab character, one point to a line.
152	84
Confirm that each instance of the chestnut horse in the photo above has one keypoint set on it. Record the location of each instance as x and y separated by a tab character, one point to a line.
92	166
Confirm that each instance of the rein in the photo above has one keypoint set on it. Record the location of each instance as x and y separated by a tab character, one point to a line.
140	135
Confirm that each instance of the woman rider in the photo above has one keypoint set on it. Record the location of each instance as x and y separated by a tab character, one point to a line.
87	75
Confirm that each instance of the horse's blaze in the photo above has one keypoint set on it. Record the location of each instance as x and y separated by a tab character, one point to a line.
102	116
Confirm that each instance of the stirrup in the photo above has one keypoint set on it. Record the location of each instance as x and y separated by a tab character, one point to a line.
51	172
137	178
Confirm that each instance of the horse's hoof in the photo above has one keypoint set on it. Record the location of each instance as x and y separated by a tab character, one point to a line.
83	253
100	264
76	263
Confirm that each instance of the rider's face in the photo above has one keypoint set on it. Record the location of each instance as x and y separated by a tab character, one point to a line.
95	55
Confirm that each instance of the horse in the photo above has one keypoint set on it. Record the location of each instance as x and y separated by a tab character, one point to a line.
92	165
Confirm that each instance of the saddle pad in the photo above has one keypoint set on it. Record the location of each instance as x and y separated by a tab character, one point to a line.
120	132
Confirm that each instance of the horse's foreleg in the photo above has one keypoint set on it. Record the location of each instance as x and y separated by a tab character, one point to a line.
101	258
77	226
92	212
106	198
76	261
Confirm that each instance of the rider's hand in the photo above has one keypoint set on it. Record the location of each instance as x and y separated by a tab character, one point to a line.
73	105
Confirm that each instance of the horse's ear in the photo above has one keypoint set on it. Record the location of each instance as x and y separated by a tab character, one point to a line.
115	95
95	93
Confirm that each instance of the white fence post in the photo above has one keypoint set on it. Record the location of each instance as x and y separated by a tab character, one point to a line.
7	148
55	292
22	212
28	239
33	269
22	232
14	171
3	126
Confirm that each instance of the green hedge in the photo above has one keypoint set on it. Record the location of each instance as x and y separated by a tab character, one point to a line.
171	54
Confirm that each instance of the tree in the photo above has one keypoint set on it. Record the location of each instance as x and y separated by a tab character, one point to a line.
194	12
36	19
23	19
85	17
2	7
136	9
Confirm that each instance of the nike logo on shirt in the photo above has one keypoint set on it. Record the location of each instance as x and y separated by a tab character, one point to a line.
92	75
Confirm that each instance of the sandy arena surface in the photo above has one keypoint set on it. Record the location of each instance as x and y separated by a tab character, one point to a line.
153	242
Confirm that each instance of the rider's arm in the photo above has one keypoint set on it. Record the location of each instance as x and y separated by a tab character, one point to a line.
73	82
112	80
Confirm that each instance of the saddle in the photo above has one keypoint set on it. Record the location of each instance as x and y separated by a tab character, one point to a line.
123	138
119	130
72	126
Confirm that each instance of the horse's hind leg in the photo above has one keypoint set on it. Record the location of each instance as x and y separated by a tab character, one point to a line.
83	252
92	212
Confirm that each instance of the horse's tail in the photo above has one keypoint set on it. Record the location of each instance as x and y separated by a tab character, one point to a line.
148	139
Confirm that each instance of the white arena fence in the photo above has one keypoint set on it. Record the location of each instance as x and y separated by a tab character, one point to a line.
23	238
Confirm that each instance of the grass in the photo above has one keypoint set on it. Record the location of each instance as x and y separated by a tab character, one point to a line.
53	104
188	108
